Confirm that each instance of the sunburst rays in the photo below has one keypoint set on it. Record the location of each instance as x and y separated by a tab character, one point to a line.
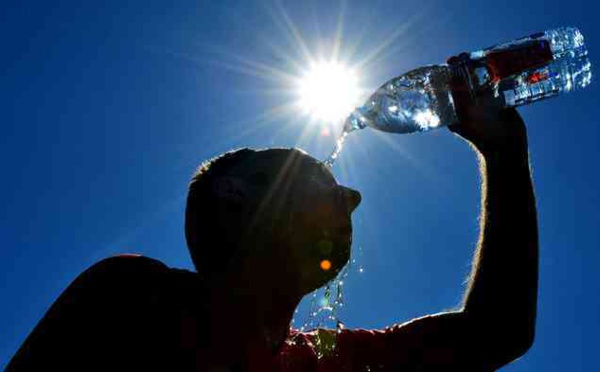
295	50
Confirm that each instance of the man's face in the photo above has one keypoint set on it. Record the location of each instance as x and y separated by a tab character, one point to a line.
304	209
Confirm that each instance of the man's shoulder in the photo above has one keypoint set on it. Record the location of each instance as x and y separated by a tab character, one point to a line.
128	263
121	310
124	280
134	275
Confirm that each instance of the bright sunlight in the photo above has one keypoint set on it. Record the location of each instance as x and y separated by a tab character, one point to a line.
328	91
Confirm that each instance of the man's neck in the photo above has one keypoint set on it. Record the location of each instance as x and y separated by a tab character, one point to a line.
250	314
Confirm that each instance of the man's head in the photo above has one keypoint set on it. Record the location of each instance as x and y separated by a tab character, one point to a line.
277	208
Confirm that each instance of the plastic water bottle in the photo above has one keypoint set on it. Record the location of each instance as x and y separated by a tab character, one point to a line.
520	72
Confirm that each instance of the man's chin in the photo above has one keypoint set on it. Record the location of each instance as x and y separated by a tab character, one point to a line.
341	254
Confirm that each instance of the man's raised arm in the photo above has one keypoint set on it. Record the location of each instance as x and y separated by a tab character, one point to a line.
501	298
496	322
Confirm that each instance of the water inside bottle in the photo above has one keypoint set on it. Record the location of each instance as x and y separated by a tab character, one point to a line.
414	102
535	67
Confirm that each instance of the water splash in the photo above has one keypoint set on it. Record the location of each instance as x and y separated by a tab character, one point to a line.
339	144
325	306
324	310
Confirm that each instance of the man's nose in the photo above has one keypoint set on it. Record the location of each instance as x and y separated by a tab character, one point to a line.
352	197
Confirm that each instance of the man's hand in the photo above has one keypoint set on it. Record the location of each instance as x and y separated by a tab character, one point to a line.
492	129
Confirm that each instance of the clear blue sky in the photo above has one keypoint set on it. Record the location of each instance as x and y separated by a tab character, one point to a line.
107	108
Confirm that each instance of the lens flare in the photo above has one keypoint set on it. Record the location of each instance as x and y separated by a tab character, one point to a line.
325	265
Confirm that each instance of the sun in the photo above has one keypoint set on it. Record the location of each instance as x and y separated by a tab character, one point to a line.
328	91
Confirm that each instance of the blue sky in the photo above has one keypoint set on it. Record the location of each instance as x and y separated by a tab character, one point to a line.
108	107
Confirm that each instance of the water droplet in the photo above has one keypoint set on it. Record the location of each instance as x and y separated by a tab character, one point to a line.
339	326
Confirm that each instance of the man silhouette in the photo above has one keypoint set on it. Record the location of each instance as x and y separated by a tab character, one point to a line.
264	228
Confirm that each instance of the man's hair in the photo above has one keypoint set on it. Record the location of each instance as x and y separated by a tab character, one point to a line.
211	246
201	207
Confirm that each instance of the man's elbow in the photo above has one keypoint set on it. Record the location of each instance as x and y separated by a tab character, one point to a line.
509	346
502	341
526	341
518	347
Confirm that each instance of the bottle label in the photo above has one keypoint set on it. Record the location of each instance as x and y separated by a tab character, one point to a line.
514	60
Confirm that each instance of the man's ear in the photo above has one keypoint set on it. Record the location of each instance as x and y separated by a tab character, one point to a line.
230	188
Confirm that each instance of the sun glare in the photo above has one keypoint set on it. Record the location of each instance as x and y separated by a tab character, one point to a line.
328	91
